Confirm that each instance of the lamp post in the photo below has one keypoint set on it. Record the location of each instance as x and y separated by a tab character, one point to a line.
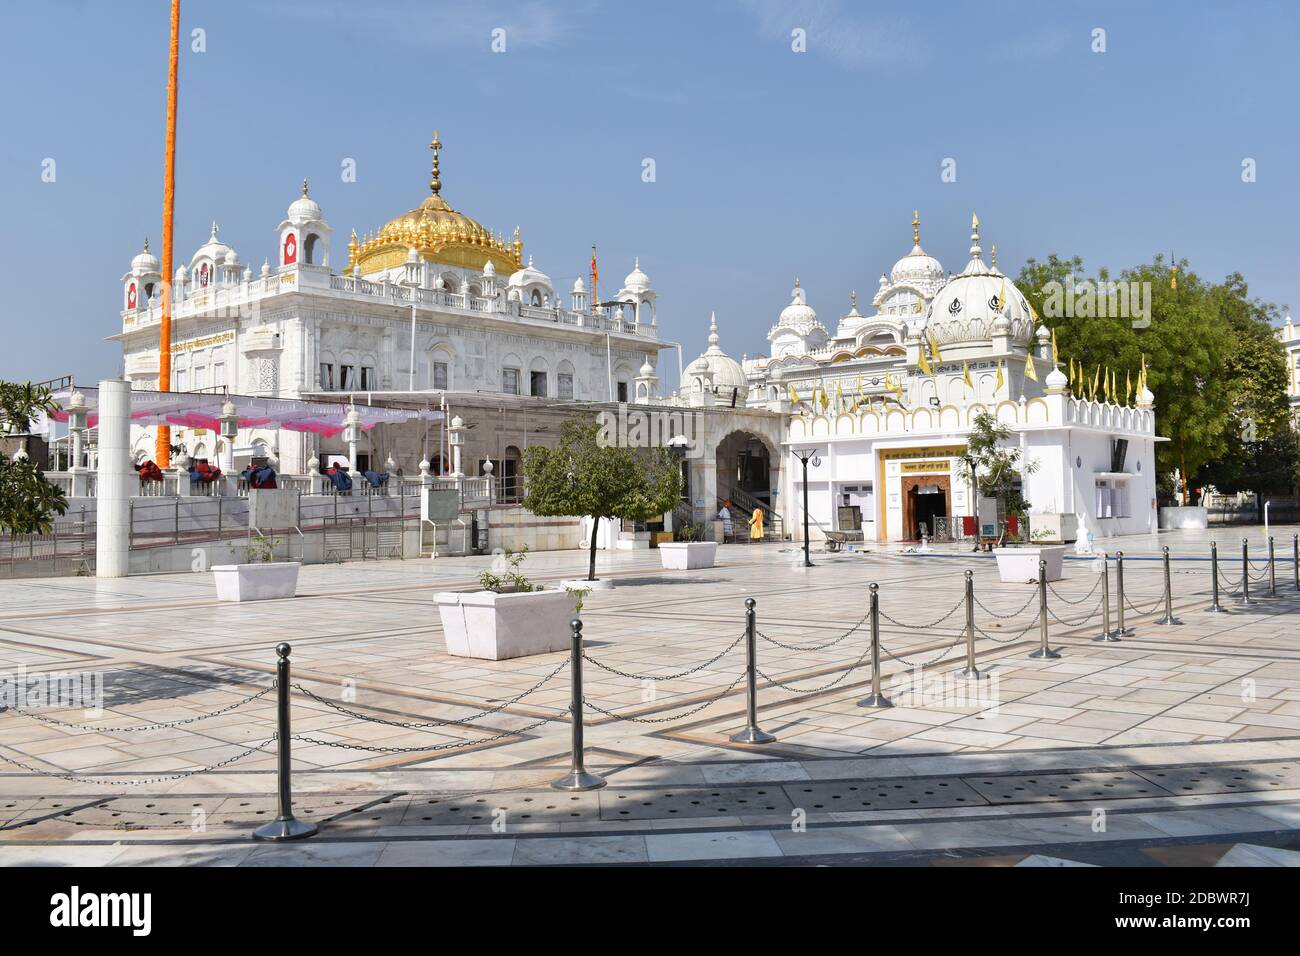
974	498
351	435
77	417
806	455
229	430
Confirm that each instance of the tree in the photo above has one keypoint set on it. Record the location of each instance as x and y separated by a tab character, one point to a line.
580	476
28	503
997	468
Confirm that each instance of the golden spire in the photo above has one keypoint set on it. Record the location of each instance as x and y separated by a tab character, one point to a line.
435	184
916	227
304	187
146	243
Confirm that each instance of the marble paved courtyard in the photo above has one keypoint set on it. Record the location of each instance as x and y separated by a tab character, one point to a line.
1176	745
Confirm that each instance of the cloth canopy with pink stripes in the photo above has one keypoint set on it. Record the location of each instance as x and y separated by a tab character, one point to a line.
203	410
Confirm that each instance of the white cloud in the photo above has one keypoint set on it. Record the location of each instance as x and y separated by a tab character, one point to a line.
849	38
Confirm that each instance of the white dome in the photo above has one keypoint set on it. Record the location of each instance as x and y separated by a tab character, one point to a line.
529	276
232	258
918	269
979	303
145	262
798	314
213	249
646	368
304	209
636	280
727	372
489	269
578	285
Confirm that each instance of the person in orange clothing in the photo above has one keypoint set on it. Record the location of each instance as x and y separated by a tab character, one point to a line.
756	525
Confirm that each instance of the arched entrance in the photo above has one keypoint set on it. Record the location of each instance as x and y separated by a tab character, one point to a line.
744	471
925	498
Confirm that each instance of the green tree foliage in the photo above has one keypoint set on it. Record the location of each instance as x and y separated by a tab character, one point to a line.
580	476
997	466
28	503
1214	366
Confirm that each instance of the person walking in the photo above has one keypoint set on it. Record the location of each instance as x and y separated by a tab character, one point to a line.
724	515
756	525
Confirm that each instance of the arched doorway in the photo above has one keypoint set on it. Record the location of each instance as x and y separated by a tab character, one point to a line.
744	471
925	498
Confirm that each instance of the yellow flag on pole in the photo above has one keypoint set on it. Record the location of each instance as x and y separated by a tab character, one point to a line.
1001	380
839	397
934	348
923	363
965	374
794	396
1030	372
1096	380
825	399
1056	358
1128	385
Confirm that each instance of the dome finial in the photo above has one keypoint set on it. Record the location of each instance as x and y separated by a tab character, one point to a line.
304	186
995	256
916	227
146	243
853	299
975	249
435	184
714	339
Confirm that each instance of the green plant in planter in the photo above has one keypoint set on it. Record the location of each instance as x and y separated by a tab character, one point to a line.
510	577
997	467
579	597
689	532
260	550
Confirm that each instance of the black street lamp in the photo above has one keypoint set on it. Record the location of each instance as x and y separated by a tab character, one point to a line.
975	499
806	455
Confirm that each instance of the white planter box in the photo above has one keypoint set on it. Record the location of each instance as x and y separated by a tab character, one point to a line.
1193	518
633	541
688	555
1019	565
256	582
1053	528
494	627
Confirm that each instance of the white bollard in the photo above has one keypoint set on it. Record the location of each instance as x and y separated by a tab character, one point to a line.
116	479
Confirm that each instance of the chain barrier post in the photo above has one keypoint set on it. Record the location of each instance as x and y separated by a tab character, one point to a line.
1272	569
751	734
1295	559
578	778
1044	652
971	672
285	826
1120	599
1215	607
876	698
1168	620
1106	634
1245	570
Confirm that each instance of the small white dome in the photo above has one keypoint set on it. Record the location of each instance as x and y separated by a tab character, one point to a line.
146	261
213	249
489	269
978	304
798	314
232	258
725	370
636	280
579	286
304	209
646	368
529	275
1056	379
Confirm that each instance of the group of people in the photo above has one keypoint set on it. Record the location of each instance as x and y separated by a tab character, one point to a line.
755	522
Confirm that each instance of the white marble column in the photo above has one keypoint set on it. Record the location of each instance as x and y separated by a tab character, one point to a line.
116	480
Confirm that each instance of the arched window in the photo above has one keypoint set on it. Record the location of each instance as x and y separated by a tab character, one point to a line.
537	298
309	249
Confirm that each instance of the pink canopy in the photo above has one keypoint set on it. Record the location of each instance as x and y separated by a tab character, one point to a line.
203	410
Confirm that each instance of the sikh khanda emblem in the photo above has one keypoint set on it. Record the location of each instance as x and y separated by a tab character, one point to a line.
203	275
130	296
290	249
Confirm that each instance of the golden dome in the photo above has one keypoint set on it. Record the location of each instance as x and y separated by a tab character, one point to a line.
438	233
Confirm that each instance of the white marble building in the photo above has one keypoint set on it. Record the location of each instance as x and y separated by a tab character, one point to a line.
431	304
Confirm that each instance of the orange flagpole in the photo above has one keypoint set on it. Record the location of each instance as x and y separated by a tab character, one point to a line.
162	448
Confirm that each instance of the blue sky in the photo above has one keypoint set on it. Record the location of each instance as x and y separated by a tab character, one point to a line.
769	163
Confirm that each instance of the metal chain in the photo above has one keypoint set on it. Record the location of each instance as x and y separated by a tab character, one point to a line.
1061	597
1014	637
1141	613
341	745
1060	620
923	627
655	677
905	662
437	722
162	726
1007	617
663	720
817	647
815	690
1231	588
83	778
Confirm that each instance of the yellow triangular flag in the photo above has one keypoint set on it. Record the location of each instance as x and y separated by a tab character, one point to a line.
898	389
965	374
794	396
1055	355
825	399
922	362
1096	380
934	348
839	397
1030	372
997	386
1128	385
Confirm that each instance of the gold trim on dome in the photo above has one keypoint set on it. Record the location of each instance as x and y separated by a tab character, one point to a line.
439	234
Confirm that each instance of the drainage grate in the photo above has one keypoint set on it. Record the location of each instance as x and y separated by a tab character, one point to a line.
886	794
1252	778
469	809
666	804
1053	787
